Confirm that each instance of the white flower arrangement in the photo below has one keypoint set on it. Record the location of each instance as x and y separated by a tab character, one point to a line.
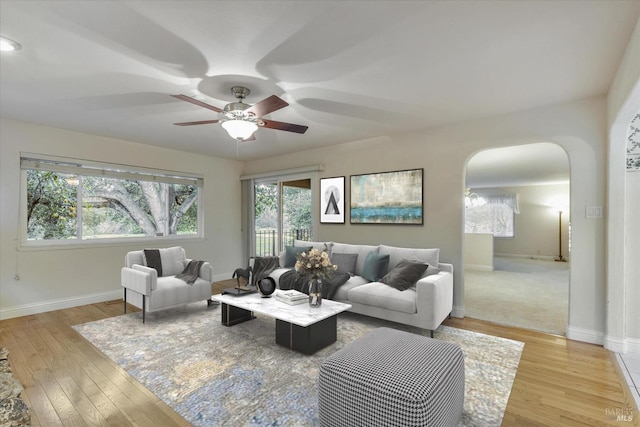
315	264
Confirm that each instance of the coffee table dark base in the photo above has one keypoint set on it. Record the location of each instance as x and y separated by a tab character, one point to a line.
232	315
307	340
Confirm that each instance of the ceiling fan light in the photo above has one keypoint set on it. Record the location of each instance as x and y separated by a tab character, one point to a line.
239	129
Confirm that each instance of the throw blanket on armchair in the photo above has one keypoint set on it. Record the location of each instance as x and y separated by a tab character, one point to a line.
190	272
294	280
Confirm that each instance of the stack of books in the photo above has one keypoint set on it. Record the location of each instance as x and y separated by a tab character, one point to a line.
292	297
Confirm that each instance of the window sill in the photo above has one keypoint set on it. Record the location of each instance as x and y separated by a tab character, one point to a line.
101	243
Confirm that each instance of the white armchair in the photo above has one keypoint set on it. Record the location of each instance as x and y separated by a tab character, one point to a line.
147	290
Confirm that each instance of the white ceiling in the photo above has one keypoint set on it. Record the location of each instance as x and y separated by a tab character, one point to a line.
350	69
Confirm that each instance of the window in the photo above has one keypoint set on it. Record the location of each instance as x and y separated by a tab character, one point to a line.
491	214
277	208
282	213
68	201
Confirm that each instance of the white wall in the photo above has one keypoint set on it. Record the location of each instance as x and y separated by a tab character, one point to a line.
632	254
56	278
579	127
623	102
478	251
536	226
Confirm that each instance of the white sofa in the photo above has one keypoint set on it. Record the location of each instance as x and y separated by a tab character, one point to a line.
425	305
144	289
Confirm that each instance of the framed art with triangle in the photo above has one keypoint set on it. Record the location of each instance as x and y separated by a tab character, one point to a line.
332	200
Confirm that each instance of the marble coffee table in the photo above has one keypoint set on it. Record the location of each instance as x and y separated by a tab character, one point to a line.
299	327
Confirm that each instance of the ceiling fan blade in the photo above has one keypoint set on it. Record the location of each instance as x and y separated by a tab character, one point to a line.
201	122
267	105
198	103
289	127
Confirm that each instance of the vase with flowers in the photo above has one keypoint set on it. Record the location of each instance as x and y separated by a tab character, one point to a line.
315	265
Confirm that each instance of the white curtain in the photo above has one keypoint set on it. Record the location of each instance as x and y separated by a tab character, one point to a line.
510	200
248	233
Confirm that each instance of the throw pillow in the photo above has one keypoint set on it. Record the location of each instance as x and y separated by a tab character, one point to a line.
331	284
152	260
375	266
346	262
428	256
431	270
291	254
166	261
404	275
173	260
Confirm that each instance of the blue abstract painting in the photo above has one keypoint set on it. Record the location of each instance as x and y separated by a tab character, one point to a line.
387	197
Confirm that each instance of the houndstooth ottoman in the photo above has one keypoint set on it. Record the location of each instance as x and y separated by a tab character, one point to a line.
392	378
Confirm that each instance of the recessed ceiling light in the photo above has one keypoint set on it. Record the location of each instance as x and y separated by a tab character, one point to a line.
8	45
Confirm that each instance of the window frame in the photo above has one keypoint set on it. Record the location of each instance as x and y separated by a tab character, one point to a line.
279	180
81	167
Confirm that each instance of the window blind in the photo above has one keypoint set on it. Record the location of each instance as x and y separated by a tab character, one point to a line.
82	167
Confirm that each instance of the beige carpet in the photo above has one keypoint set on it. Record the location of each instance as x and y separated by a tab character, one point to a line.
526	293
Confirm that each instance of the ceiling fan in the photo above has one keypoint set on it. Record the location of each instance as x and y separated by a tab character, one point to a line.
241	120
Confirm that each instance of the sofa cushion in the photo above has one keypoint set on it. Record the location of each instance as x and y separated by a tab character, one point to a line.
171	291
171	260
342	294
361	250
404	275
291	254
378	294
375	266
346	263
429	256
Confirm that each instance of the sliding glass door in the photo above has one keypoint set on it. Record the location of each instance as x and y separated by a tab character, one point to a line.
282	214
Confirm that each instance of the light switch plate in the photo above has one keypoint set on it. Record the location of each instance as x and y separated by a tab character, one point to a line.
594	212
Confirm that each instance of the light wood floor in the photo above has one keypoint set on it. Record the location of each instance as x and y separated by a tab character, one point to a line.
68	382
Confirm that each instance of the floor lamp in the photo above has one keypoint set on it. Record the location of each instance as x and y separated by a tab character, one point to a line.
560	258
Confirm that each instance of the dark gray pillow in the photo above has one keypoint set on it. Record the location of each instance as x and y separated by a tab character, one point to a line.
404	275
375	266
152	259
291	254
331	284
346	262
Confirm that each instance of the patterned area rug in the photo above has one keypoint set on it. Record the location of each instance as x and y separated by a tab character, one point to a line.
214	375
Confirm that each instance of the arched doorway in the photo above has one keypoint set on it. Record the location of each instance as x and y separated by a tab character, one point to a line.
517	237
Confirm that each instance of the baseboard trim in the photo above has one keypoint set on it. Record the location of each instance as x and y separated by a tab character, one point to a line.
62	303
58	304
542	257
585	335
622	345
632	345
458	312
479	267
617	344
